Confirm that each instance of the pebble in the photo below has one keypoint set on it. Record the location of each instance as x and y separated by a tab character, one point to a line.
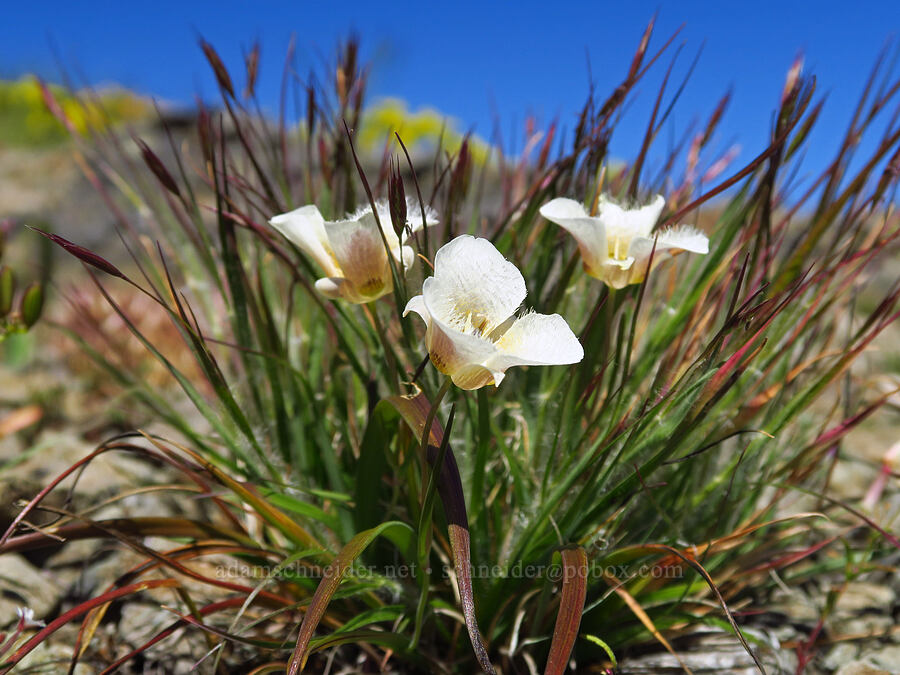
841	653
862	595
861	668
24	585
887	657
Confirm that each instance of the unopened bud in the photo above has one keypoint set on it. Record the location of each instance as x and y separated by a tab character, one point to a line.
7	288
397	199
32	304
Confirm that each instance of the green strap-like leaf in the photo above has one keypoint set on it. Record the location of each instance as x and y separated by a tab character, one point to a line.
329	584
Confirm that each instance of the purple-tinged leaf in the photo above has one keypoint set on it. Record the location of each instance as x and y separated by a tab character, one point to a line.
571	605
414	411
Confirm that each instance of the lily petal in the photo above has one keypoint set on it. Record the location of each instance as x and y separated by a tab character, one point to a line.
670	240
359	251
452	352
684	237
589	232
334	288
305	228
623	225
414	215
637	222
458	354
474	288
537	340
408	256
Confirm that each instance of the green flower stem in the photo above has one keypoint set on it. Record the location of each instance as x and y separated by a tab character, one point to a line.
484	437
389	355
424	526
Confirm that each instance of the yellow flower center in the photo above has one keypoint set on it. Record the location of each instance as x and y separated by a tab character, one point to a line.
467	319
617	247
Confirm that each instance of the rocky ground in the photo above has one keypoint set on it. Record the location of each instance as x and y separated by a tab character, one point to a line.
53	412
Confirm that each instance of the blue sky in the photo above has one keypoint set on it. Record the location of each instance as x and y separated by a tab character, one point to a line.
471	60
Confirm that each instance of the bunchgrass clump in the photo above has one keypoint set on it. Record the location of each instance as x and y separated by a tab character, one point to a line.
579	509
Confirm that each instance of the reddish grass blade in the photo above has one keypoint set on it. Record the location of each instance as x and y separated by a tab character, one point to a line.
228	603
249	495
571	604
414	411
140	527
75	612
331	579
55	108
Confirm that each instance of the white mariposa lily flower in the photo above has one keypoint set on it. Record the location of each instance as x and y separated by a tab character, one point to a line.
472	333
351	252
616	244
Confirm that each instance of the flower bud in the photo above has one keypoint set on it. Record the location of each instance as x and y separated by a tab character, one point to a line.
397	199
32	304
7	289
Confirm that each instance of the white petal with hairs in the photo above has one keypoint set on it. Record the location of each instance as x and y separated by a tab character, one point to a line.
472	332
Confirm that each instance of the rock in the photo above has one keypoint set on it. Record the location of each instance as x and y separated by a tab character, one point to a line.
140	622
797	606
840	654
52	654
861	668
862	595
886	657
850	479
712	653
24	585
867	625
